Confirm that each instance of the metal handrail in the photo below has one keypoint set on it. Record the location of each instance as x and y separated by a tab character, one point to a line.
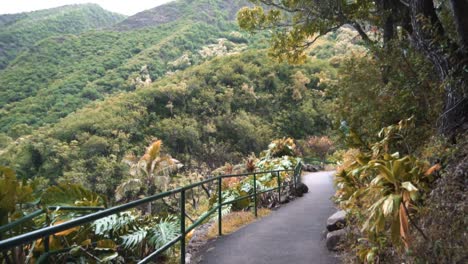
51	230
39	212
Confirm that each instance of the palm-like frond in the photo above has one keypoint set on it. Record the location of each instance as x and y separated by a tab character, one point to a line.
70	194
152	153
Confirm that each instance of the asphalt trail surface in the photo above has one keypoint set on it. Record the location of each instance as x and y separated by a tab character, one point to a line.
293	234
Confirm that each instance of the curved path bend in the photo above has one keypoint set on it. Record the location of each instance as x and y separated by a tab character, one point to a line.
294	234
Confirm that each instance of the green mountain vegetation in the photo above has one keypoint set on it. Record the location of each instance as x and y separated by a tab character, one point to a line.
117	109
18	32
59	75
218	111
74	106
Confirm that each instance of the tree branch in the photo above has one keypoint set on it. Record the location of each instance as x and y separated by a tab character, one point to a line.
176	210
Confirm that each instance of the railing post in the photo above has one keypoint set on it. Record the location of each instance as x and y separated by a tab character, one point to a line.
278	179
295	181
182	227
220	201
46	238
255	193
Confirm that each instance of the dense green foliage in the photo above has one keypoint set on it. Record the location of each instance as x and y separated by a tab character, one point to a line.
414	66
216	112
62	74
77	109
133	234
21	31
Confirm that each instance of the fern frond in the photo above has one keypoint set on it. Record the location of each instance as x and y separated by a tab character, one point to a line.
116	224
164	232
133	239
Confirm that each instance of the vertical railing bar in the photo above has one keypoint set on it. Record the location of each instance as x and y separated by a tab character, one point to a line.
279	186
220	201
295	181
46	239
182	227
255	193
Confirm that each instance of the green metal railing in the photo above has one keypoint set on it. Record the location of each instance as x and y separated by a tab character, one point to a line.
46	232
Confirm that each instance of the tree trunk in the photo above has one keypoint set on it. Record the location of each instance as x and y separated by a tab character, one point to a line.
460	15
429	37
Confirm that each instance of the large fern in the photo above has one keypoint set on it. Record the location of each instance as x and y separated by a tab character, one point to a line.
132	240
117	224
164	232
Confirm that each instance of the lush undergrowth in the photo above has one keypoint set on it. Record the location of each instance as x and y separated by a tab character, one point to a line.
133	234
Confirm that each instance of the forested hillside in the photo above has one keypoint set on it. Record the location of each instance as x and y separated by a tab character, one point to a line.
117	109
216	112
21	31
59	75
74	106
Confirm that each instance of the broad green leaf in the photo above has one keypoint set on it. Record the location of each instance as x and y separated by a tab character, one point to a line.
385	172
398	168
70	194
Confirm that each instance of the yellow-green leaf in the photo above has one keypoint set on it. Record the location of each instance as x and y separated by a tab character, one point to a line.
409	186
106	244
388	205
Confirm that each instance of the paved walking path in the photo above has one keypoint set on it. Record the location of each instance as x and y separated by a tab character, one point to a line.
291	235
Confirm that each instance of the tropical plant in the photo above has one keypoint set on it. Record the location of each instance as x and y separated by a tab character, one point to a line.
280	155
149	174
13	194
137	233
383	192
318	147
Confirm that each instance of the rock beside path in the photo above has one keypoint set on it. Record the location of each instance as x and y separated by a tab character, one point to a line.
334	238
336	221
312	168
301	188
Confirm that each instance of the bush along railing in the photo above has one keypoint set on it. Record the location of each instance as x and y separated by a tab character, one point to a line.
8	245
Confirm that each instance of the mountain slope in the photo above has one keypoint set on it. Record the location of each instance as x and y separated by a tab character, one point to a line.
62	74
218	111
20	31
74	106
209	11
